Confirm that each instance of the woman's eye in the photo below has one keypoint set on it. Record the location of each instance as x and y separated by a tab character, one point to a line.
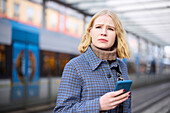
98	27
111	29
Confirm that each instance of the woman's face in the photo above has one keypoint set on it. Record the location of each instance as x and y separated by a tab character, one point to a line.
103	32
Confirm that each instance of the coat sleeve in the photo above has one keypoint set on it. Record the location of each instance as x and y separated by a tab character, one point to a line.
69	94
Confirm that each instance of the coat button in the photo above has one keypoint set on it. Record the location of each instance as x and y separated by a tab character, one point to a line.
109	76
118	74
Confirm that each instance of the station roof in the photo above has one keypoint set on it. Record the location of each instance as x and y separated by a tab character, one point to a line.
149	19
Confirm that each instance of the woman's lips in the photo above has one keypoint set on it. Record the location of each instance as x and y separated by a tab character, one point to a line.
103	40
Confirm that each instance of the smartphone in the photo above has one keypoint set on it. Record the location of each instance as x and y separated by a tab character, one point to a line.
125	84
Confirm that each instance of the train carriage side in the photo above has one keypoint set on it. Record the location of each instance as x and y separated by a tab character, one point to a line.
32	61
20	74
56	49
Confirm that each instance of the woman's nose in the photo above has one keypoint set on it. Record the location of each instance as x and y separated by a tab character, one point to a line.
103	32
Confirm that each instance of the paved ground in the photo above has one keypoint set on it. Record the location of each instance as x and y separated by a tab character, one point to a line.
162	106
152	99
149	99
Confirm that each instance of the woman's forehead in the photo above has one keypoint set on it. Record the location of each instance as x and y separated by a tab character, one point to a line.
104	19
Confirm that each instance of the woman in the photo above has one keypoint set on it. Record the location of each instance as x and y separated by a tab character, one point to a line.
88	81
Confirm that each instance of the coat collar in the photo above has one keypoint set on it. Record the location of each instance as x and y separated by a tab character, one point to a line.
94	61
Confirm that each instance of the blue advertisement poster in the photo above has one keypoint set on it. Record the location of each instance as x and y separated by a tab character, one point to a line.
25	71
33	71
18	72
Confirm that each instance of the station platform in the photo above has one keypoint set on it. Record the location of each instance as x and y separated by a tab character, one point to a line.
154	98
149	95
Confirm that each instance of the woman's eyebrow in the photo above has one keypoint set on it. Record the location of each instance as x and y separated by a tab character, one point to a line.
111	26
99	24
103	24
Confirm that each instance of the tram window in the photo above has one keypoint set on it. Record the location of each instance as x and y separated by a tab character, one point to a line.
2	60
54	21
16	9
30	13
5	61
76	27
68	25
63	60
49	64
62	23
52	63
2	6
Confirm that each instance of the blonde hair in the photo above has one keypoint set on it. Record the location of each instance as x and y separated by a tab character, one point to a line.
122	45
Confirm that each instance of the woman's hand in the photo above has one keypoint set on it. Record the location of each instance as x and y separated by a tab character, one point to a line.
111	100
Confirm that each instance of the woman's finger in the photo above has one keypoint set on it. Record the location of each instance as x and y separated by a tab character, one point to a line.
116	103
117	93
120	97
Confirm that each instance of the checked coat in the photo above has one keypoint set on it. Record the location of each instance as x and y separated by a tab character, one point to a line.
84	80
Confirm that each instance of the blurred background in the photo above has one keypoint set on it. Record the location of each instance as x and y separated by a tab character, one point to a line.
38	37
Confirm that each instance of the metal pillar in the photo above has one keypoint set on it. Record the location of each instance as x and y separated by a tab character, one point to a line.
44	14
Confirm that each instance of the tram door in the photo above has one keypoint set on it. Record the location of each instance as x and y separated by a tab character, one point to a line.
25	71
